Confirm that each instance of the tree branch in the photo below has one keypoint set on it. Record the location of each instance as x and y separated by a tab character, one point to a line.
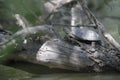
46	29
101	28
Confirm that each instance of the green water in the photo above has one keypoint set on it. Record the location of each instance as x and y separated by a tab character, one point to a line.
27	71
66	76
78	76
10	73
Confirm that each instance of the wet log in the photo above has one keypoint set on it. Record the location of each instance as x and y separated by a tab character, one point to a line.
15	42
59	54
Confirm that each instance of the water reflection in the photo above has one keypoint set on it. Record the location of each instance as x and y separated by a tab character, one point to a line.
43	73
10	73
77	76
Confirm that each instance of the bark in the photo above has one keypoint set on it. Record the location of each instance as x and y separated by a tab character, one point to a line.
59	54
43	30
13	43
109	37
100	27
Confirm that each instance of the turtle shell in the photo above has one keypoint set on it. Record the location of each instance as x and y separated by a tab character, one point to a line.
83	33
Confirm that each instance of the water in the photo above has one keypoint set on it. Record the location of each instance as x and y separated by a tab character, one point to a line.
78	76
27	71
10	73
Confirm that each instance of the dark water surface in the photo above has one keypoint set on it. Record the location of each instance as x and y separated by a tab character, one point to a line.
77	76
27	71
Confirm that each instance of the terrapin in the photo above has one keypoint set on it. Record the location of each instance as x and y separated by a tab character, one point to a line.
84	34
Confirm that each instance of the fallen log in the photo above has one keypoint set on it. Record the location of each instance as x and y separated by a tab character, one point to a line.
9	44
64	55
59	54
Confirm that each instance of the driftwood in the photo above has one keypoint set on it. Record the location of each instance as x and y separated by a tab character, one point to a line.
109	37
59	54
43	30
64	55
22	37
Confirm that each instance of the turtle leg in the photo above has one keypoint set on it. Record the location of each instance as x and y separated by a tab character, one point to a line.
92	47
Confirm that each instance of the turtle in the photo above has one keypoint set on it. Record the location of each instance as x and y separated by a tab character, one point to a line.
84	34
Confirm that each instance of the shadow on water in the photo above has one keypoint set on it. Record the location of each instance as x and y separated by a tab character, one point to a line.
10	73
35	68
78	76
45	73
